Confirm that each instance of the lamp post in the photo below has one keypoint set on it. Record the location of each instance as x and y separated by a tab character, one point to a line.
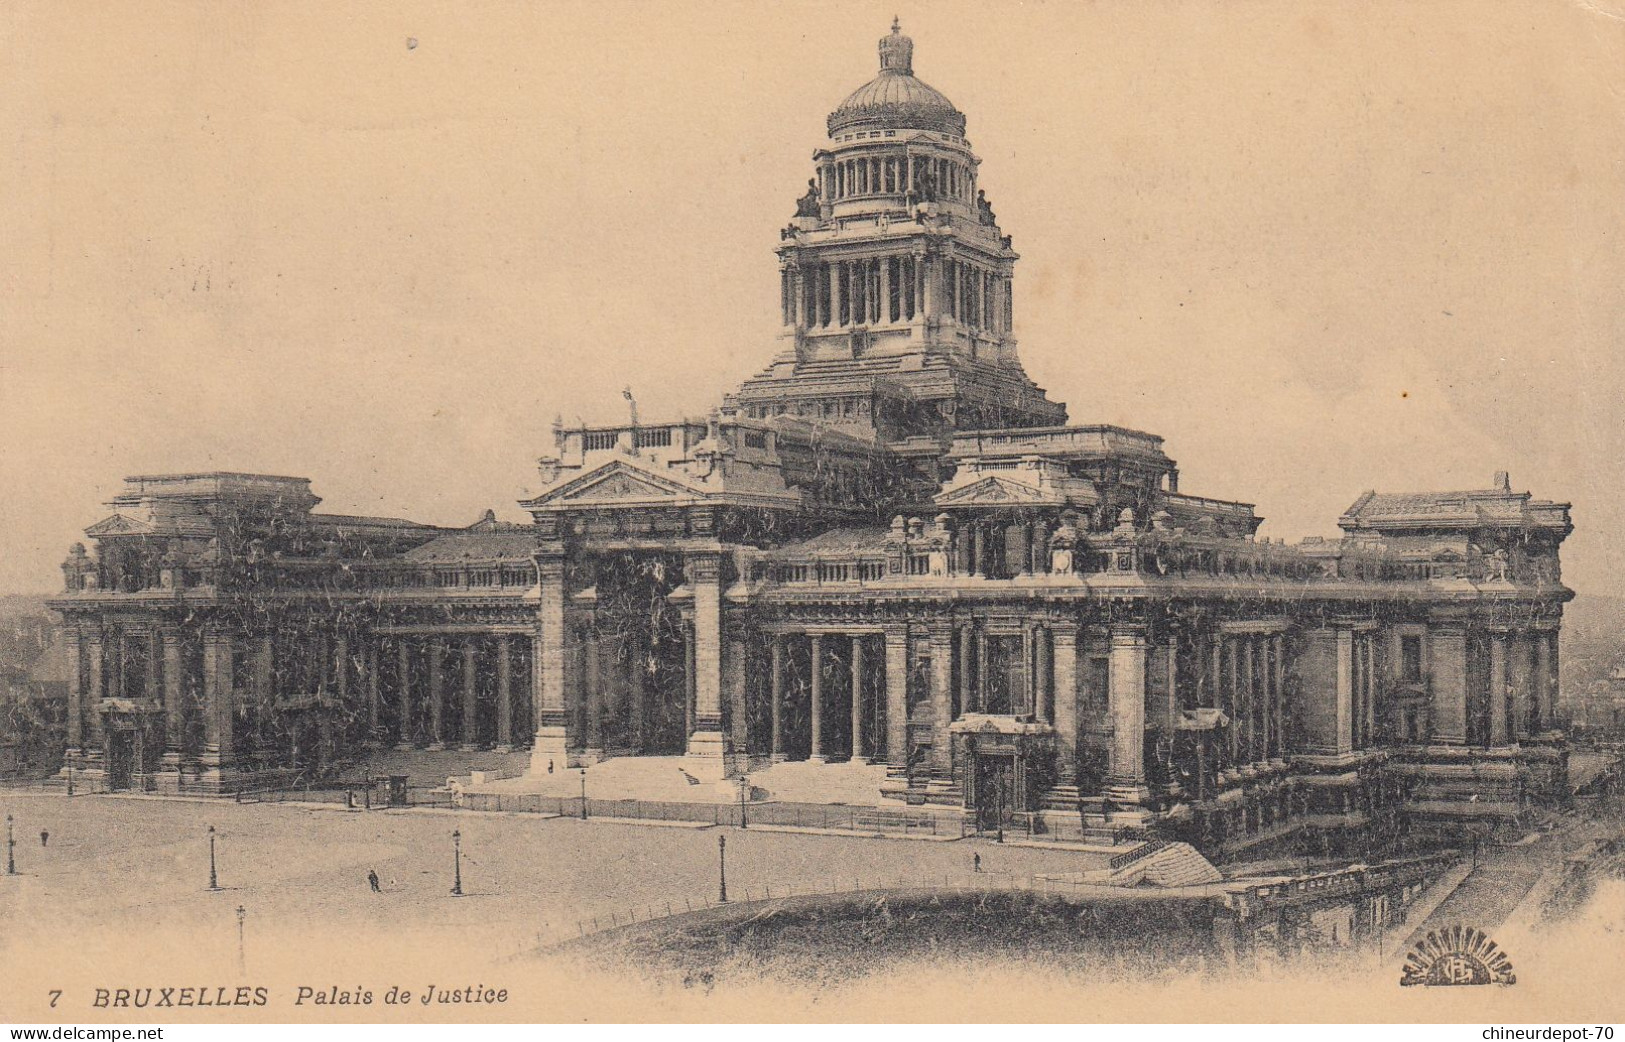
242	961
744	791
583	794
214	877
456	863
11	849
722	869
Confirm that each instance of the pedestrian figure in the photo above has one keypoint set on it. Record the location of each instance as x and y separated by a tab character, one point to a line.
976	862
372	880
550	767
44	837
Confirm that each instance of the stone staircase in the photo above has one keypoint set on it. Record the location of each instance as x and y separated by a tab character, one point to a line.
799	781
1176	864
925	789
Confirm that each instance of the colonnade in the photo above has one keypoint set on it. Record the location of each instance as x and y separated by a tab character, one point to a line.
894	287
1494	686
1002	550
218	699
896	175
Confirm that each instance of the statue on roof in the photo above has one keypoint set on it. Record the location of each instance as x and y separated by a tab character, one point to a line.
807	205
984	209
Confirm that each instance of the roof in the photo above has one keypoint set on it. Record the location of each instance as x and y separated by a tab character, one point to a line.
838	541
486	545
1474	508
896	97
359	521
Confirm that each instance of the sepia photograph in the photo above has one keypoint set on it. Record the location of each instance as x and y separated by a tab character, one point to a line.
548	512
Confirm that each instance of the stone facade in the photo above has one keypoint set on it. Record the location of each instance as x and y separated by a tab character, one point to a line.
887	548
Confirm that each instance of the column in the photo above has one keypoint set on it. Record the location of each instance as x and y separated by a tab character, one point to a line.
374	697
403	680
1025	700
72	642
174	696
736	687
706	746
1126	771
981	671
437	694
942	708
593	690
1498	689
1065	703
341	670
924	296
1543	681
885	288
1278	706
218	708
151	688
1043	692
550	746
262	683
504	693
1229	660
777	695
1246	692
95	691
471	720
816	642
688	678
1448	653
858	736
897	655
967	655
1345	689
638	679
978	564
1520	677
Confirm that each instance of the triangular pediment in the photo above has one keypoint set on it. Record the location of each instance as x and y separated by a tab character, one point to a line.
118	524
996	491
618	482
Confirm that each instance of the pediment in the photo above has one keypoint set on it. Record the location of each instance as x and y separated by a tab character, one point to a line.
118	524
619	482
997	491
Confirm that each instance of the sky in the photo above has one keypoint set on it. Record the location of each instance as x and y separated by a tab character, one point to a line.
1320	248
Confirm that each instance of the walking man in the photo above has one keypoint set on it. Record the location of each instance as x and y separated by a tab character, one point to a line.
976	862
44	837
372	880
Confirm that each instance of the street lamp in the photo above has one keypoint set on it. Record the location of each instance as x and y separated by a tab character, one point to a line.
744	791
214	877
11	850
242	962
456	863
583	794
722	869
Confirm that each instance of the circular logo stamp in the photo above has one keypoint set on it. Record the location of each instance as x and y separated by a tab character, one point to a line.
1457	955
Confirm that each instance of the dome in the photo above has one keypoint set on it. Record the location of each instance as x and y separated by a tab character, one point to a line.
896	98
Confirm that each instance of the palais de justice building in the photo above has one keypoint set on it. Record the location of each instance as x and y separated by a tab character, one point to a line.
887	552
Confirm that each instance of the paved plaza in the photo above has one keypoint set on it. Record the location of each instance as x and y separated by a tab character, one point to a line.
300	874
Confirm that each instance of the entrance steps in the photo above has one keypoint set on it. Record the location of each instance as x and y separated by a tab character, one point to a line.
655	778
801	781
1165	865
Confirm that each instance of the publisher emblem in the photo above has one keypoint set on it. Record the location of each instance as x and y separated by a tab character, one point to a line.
1458	955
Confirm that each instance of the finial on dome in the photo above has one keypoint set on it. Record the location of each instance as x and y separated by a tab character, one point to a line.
897	51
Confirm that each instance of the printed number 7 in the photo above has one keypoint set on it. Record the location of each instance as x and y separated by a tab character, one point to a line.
56	993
